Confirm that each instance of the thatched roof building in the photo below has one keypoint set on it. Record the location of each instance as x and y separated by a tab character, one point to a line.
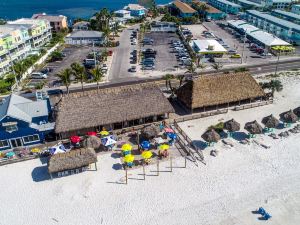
270	121
90	109
253	127
150	132
93	142
289	117
72	160
297	111
213	90
211	136
232	125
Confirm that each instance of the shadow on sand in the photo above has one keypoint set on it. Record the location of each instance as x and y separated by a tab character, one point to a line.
117	166
40	173
239	136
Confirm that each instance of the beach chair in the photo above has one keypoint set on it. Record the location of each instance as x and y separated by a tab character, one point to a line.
267	216
262	211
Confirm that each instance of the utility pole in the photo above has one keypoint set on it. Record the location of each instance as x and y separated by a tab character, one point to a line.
245	36
94	54
276	68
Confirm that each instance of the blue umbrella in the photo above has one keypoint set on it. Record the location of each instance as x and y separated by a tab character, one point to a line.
172	136
145	144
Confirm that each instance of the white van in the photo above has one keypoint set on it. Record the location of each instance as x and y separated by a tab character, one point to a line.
38	75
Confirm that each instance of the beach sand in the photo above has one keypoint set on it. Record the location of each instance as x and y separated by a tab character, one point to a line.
223	192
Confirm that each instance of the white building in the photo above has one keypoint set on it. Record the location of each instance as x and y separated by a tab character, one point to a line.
207	47
82	25
85	38
123	14
163	27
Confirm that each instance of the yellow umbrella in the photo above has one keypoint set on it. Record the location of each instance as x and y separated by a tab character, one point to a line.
164	147
126	147
35	150
104	133
129	158
147	154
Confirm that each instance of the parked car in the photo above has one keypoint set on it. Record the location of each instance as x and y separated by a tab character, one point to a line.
232	51
132	69
38	75
90	63
148	67
236	56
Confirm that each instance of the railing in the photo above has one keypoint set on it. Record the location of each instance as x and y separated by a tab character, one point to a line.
201	115
252	105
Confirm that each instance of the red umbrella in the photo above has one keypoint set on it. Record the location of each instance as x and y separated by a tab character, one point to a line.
75	139
92	133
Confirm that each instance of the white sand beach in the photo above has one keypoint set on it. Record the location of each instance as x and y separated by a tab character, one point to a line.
225	191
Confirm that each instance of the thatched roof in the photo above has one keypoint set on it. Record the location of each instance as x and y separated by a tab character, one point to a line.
210	90
270	121
232	125
110	105
150	132
211	136
289	117
253	127
71	160
297	111
93	142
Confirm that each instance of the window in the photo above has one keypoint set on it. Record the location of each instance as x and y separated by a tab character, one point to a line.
11	128
31	138
3	143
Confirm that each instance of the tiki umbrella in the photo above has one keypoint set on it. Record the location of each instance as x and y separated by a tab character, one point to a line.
147	154
129	158
211	136
232	125
270	121
253	127
150	132
126	147
289	117
92	142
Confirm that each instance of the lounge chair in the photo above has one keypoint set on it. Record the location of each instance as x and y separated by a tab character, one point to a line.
262	211
267	216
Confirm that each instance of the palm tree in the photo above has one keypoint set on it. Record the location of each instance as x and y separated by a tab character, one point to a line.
217	66
106	34
79	73
65	77
97	75
191	68
168	78
19	68
275	85
180	78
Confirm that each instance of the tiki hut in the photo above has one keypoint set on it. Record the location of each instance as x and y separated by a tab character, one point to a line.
253	127
93	142
297	111
114	107
289	117
71	160
232	125
217	91
270	121
211	136
150	132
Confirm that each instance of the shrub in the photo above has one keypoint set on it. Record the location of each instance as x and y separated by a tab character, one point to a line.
218	127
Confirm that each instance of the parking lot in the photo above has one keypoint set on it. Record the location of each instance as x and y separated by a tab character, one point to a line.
165	57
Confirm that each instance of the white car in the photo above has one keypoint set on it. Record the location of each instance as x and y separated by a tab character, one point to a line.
38	75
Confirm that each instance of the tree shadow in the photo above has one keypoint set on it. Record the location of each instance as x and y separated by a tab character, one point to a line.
117	166
40	173
255	212
44	160
239	136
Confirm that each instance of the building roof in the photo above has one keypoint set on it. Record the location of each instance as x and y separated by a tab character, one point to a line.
110	105
208	46
210	9
288	14
274	20
296	5
246	2
26	21
241	24
122	11
50	18
85	34
72	160
281	1
183	7
81	23
229	3
22	108
134	7
209	90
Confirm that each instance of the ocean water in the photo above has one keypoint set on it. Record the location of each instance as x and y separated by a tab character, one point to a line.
13	9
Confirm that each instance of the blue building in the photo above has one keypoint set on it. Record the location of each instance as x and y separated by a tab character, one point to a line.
226	6
292	17
136	10
284	29
182	9
23	122
296	9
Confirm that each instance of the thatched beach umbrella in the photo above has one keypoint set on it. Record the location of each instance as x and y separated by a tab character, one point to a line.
297	111
211	136
150	132
93	142
289	117
253	127
270	121
232	125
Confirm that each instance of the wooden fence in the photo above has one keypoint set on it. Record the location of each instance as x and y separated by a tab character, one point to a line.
201	115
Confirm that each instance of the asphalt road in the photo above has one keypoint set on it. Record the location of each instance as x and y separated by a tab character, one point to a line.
121	58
